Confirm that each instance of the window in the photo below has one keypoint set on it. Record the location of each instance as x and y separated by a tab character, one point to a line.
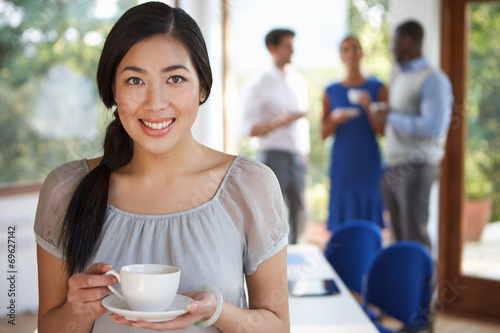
50	111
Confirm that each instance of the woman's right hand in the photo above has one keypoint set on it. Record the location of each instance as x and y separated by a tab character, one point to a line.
202	308
86	290
365	100
339	117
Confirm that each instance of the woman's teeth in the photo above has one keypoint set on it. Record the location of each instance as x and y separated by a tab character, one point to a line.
157	126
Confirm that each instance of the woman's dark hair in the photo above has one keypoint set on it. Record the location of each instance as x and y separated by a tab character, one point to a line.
86	211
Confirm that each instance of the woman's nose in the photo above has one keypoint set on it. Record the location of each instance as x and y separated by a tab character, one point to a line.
156	98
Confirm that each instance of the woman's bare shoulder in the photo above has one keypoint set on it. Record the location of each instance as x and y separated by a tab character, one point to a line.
218	160
93	162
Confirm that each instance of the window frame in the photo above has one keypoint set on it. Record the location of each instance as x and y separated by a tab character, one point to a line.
457	293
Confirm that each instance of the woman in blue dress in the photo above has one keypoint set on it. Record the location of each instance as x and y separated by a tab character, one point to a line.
355	161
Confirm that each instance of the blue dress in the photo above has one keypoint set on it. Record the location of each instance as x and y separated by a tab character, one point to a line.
355	162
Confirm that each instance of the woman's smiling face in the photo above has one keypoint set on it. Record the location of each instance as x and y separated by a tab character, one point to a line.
157	92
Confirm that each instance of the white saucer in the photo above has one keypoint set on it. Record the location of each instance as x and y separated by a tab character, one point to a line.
116	305
348	111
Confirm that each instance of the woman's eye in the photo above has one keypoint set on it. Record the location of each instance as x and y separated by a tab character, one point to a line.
134	80
175	79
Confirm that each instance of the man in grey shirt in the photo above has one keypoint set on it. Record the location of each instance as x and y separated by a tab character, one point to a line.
416	128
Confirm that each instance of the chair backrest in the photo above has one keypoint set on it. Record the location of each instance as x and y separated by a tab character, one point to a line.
351	246
398	280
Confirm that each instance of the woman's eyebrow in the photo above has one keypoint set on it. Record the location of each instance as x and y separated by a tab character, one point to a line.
173	68
134	68
164	70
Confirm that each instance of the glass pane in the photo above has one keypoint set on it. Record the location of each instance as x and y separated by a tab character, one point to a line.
50	111
481	241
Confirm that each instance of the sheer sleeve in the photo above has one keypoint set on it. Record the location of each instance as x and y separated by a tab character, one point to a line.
56	192
254	202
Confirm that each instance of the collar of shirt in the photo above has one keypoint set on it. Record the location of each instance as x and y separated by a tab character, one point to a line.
282	72
414	64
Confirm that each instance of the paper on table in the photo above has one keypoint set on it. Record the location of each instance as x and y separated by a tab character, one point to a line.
293	258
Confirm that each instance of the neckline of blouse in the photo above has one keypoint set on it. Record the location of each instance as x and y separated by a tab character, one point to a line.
183	212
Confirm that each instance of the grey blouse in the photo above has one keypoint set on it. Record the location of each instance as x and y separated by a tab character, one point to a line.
217	242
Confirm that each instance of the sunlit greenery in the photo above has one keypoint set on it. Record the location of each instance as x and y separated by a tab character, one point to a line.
370	21
317	181
40	39
483	104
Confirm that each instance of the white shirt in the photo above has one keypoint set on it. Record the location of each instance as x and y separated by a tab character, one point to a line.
270	94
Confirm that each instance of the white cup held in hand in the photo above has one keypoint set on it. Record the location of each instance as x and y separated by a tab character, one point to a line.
147	287
354	95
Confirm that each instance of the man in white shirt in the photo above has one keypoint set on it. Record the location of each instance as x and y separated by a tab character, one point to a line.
274	106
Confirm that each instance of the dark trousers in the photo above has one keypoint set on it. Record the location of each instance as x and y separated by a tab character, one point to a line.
290	171
406	190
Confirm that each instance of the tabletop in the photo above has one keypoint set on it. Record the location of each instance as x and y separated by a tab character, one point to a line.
333	313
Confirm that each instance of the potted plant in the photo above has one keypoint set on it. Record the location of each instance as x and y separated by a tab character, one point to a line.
478	203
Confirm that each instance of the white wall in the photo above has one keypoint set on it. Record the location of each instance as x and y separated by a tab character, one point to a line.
208	128
428	13
18	211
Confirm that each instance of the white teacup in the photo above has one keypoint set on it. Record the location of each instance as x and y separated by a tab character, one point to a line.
147	287
354	95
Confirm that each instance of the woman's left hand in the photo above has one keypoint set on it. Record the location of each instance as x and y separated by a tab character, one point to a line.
203	306
365	100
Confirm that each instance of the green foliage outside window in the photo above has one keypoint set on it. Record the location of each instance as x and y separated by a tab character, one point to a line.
482	168
49	110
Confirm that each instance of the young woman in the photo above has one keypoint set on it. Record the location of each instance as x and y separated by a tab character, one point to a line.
355	160
158	196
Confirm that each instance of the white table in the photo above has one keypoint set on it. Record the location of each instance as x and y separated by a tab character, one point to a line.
335	313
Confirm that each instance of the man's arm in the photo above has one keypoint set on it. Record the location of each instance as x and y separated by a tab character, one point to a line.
435	110
377	118
281	120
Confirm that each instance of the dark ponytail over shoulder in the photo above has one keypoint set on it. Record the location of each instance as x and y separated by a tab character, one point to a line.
86	213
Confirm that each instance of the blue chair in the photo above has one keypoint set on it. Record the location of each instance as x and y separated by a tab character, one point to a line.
399	282
351	246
